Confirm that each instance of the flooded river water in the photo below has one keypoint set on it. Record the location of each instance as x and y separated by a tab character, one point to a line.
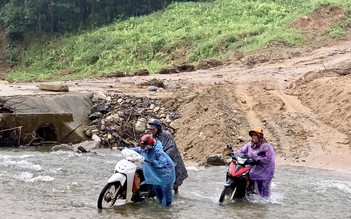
42	184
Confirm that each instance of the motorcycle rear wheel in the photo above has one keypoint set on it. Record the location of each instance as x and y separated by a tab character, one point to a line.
108	195
227	193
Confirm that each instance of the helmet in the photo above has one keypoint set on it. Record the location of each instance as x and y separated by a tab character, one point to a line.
147	140
155	122
256	130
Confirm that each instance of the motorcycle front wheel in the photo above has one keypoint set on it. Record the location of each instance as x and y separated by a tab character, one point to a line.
108	195
227	193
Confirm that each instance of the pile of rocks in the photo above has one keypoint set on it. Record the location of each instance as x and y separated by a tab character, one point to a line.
119	120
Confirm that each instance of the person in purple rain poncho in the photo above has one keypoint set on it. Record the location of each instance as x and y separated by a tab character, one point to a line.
259	150
158	168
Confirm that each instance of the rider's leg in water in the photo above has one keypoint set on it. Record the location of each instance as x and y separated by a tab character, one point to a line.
264	187
251	187
135	189
158	192
167	194
136	182
164	194
176	191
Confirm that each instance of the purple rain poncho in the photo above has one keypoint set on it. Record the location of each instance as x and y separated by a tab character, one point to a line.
265	170
161	172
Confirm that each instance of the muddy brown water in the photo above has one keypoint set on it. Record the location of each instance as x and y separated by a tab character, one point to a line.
42	184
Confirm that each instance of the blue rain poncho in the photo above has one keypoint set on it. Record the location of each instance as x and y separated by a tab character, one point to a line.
161	171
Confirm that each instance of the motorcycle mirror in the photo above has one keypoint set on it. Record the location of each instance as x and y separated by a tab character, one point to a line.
229	146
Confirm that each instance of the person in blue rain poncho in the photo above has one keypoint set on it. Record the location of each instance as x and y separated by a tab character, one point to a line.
158	168
170	147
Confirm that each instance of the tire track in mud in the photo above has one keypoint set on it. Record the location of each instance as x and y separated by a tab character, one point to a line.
319	131
298	136
248	104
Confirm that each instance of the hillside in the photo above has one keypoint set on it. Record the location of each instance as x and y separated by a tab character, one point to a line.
185	36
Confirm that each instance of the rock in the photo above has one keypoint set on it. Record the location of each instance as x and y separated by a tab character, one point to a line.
62	147
54	87
95	115
241	138
100	107
152	88
99	96
140	125
86	145
112	118
82	147
215	160
94	137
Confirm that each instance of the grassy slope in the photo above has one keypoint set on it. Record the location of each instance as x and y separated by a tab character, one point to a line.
184	32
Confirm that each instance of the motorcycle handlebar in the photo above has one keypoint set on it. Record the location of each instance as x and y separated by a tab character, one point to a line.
249	160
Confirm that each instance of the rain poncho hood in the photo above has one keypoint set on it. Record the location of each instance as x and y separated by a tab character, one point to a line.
161	171
266	168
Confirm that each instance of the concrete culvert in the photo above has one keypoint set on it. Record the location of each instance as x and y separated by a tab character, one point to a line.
46	132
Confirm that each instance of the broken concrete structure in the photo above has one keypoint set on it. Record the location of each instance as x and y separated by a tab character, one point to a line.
56	118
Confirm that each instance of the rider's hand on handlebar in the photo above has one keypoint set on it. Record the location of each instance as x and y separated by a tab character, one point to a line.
261	153
150	161
257	162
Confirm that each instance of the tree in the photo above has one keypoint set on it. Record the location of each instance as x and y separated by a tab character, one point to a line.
11	17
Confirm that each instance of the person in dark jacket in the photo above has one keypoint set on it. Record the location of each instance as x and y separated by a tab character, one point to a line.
170	147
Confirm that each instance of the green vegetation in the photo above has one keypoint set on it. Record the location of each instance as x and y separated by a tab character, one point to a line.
183	32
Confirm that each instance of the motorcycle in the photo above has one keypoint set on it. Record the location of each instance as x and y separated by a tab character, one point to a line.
237	183
127	182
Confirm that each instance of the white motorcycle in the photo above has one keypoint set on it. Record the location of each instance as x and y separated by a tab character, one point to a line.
120	185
